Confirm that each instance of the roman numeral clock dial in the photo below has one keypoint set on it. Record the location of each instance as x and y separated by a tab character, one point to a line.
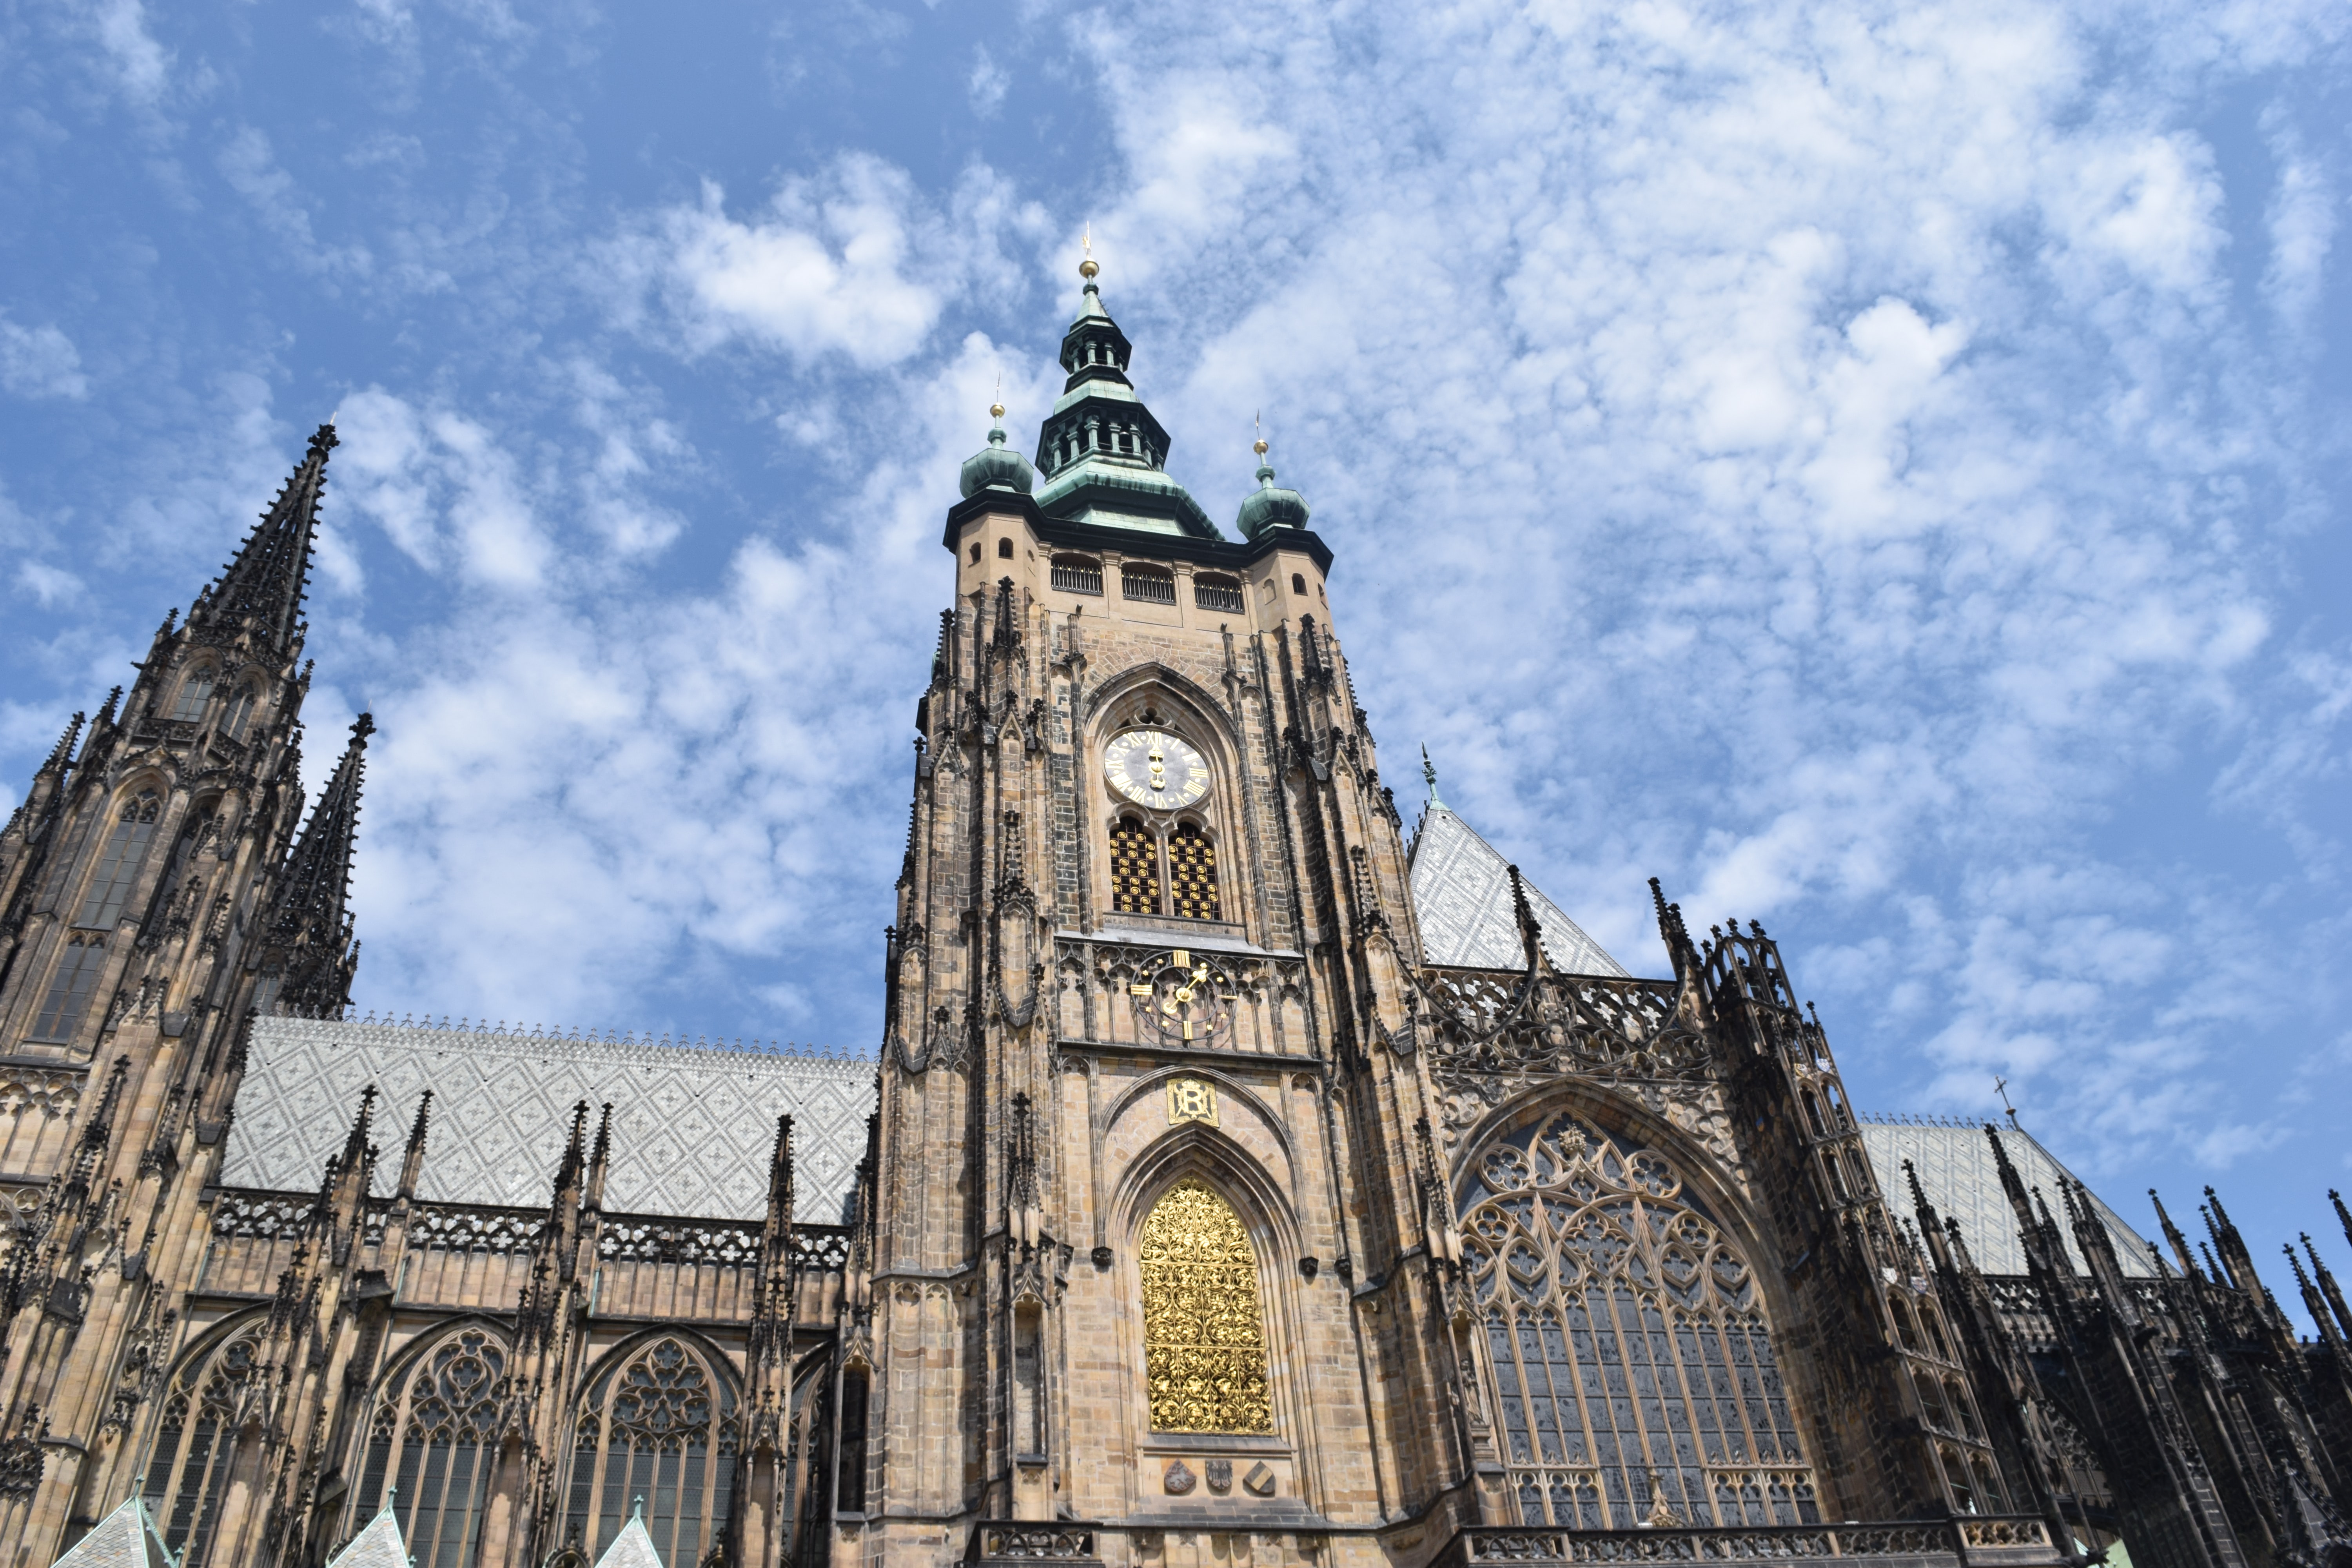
1155	769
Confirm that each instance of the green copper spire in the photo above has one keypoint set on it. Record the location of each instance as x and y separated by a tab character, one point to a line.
1102	453
996	465
1270	505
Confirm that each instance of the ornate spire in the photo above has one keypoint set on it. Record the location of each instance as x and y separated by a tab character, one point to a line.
1103	456
1429	777
312	926
264	583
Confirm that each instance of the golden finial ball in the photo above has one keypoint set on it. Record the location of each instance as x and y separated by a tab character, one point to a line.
996	411
1258	445
1087	268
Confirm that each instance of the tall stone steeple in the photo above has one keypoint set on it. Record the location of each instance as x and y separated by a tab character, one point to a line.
310	953
262	586
148	907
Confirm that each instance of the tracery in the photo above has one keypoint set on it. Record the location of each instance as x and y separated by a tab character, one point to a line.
1633	1371
444	1426
195	1447
661	1425
1203	1329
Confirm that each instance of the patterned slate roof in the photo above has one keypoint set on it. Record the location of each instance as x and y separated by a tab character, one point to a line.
1462	891
693	1127
633	1548
377	1546
123	1539
1956	1172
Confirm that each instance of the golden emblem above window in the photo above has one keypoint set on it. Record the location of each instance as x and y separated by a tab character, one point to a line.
1191	1099
1153	768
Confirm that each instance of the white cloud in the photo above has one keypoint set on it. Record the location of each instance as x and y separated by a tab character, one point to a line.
142	66
250	166
51	585
446	492
987	83
40	361
827	270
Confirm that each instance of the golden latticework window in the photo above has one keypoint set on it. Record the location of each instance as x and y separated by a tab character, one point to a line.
661	1427
443	1425
1204	1330
1633	1370
1134	870
1192	874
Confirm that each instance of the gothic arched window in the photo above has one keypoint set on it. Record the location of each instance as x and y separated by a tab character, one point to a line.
1134	868
659	1425
443	1426
1192	874
195	1447
240	708
1203	1329
118	865
195	691
70	986
1633	1371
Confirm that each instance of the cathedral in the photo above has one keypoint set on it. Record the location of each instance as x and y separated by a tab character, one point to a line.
1243	1177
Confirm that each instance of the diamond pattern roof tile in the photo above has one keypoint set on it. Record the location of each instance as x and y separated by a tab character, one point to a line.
693	1127
1956	1172
1462	893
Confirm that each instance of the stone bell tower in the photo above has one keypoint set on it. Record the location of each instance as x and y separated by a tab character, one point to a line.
1141	1261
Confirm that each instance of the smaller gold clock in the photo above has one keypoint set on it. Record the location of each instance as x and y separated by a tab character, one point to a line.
1180	1002
1153	768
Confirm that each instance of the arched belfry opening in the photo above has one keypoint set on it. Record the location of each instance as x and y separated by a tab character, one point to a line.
1632	1367
1204	1343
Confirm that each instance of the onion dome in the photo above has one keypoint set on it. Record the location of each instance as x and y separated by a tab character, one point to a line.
997	466
1270	505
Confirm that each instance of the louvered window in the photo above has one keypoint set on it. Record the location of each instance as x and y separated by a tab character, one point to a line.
1147	584
1217	594
1077	574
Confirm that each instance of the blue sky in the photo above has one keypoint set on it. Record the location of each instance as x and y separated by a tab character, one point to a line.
1880	469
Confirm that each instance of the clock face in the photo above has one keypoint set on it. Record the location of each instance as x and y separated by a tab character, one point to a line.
1153	768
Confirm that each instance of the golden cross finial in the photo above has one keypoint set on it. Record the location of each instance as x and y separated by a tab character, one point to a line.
996	403
1257	422
1087	267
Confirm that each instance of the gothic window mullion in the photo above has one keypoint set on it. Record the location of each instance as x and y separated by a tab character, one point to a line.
1600	1281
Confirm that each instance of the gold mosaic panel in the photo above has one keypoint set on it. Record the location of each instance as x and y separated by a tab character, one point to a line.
1134	870
1203	1332
1192	874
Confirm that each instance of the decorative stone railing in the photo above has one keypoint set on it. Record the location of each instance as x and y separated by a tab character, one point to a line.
2008	1539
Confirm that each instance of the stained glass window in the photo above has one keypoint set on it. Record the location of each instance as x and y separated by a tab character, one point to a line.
195	1447
1192	874
1134	870
118	867
1204	1330
70	986
434	1438
1633	1371
660	1427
